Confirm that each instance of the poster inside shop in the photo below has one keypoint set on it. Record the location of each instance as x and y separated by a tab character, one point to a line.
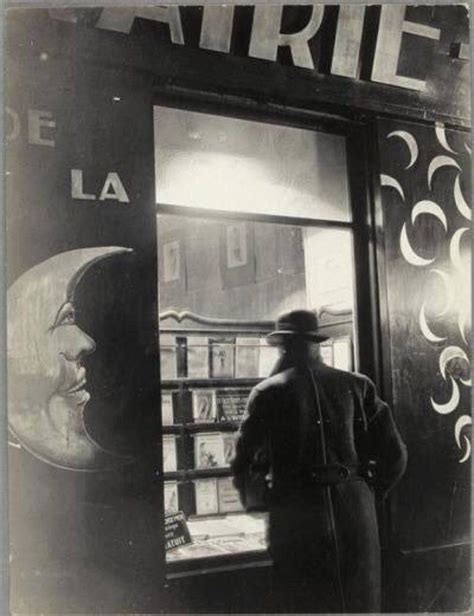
231	403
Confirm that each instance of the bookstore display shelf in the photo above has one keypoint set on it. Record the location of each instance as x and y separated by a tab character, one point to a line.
241	536
197	473
210	382
214	426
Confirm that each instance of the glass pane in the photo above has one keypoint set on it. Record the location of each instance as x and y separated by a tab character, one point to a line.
222	283
222	163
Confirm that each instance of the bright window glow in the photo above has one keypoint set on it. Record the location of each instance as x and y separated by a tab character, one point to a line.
229	164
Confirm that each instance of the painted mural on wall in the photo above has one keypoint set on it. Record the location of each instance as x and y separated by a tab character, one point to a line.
47	379
425	190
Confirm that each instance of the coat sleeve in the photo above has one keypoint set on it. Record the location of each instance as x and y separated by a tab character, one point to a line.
251	440
385	444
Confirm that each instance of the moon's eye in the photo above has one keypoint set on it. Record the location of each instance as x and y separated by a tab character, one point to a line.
66	315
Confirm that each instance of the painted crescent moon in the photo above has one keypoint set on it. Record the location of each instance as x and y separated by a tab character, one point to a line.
459	200
462	320
451	404
467	453
387	180
440	131
410	142
449	353
437	163
429	207
408	253
455	248
448	287
425	330
461	423
46	380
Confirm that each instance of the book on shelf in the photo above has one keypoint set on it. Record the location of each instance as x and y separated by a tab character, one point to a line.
197	357
228	497
229	442
206	496
171	497
267	358
204	405
246	357
208	450
167	415
231	403
168	364
170	462
222	357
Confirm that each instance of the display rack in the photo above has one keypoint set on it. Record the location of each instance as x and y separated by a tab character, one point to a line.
208	368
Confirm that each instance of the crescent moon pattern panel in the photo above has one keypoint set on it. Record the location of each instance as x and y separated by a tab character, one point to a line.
425	189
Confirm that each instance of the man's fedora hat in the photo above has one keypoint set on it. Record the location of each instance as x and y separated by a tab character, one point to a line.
296	324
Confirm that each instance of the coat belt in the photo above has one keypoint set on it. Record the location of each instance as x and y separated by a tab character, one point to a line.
322	475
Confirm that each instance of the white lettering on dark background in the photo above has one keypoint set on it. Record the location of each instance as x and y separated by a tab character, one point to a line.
266	36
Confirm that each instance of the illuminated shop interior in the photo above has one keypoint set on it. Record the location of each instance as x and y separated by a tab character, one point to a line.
253	220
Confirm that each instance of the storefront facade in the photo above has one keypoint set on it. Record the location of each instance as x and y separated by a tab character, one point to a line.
95	102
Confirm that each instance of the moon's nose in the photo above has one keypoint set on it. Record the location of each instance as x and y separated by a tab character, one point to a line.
79	344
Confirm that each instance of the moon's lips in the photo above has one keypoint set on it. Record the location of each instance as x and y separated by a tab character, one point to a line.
47	383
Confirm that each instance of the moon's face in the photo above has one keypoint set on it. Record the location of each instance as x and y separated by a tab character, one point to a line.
46	379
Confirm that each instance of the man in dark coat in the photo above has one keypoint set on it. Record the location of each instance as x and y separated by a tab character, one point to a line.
321	430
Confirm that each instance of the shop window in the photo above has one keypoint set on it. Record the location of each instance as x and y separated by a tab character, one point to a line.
230	164
222	283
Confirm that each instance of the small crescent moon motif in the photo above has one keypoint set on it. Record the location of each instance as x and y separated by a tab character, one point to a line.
410	142
454	248
425	330
451	404
461	422
468	148
447	355
440	131
437	163
467	382
387	180
467	454
461	203
448	289
408	253
429	207
462	325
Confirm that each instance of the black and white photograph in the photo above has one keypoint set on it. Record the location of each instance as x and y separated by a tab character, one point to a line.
237	241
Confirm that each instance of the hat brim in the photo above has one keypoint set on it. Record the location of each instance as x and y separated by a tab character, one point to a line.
280	336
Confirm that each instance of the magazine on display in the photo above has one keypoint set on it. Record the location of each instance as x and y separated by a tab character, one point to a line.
170	462
208	450
222	357
231	404
204	405
171	503
167	414
229	501
230	441
206	496
246	357
198	357
168	364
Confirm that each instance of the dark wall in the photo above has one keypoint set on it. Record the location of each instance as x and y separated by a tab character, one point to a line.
86	541
426	209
